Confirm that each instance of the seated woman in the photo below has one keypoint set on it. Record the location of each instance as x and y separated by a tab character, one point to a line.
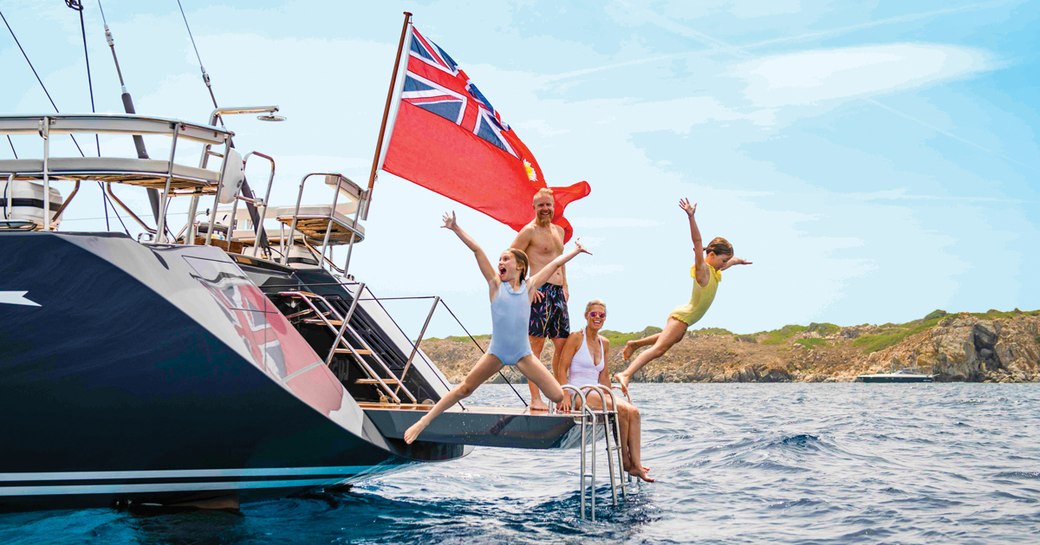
584	362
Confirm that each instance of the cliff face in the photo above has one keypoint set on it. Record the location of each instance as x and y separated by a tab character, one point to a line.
990	347
966	348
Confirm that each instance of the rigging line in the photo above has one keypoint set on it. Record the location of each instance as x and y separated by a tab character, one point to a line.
205	75
104	204
190	36
9	141
116	212
102	10
263	242
37	74
78	6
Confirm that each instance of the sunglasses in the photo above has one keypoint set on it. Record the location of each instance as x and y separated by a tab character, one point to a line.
597	315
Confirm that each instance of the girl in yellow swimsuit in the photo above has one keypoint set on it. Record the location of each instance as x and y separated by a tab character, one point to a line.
711	260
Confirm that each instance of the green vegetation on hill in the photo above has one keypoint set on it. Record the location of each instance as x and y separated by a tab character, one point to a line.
992	314
782	335
461	338
712	331
811	342
892	334
823	329
616	338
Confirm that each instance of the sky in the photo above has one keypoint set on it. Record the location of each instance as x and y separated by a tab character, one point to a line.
875	160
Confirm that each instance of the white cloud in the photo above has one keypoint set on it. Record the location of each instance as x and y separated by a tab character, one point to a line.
614	223
811	77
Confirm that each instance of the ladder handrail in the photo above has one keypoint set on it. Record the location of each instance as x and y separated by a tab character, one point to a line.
364	365
610	413
587	416
343	326
415	345
309	298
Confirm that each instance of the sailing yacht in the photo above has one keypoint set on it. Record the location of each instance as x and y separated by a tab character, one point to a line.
228	359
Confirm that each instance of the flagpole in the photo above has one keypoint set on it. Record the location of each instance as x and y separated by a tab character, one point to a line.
386	114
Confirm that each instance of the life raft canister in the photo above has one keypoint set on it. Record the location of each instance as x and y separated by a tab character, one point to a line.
21	204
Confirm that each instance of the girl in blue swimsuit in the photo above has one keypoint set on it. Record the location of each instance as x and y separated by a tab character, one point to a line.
510	296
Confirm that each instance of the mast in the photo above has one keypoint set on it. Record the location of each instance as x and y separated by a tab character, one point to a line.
386	114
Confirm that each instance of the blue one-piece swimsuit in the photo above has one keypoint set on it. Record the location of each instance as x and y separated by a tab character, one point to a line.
510	312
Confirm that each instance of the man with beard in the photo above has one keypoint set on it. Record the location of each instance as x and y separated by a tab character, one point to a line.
542	241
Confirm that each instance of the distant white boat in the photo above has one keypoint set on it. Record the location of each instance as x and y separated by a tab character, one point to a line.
901	375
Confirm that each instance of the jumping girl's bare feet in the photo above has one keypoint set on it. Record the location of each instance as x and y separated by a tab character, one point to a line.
630	348
622	381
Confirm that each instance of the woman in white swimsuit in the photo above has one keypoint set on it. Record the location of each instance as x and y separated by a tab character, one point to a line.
584	362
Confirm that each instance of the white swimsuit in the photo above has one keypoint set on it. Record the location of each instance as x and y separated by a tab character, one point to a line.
583	370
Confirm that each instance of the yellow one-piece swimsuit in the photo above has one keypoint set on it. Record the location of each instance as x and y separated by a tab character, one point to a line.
701	298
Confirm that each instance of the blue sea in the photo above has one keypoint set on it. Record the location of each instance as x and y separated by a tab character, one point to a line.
736	463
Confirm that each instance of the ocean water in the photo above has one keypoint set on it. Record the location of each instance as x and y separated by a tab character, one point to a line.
736	463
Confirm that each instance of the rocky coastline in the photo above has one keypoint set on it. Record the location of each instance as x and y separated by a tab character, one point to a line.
994	346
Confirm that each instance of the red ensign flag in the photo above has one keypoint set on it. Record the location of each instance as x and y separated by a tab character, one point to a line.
448	138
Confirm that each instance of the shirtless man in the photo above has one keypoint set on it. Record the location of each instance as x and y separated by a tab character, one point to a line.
542	241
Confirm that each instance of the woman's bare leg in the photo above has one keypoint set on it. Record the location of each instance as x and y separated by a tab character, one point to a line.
486	366
673	332
623	417
629	424
537	373
633	438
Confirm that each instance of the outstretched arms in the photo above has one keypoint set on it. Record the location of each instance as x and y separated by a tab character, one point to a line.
539	278
482	261
735	261
698	244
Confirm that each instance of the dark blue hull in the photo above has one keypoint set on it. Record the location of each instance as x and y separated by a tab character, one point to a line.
126	383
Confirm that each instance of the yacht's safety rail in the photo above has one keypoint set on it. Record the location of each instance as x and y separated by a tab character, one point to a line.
305	234
172	176
315	229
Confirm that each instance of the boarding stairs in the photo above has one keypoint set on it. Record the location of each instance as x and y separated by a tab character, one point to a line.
318	310
591	420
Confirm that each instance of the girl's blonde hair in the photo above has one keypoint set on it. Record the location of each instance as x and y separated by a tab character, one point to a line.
719	246
521	258
595	302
